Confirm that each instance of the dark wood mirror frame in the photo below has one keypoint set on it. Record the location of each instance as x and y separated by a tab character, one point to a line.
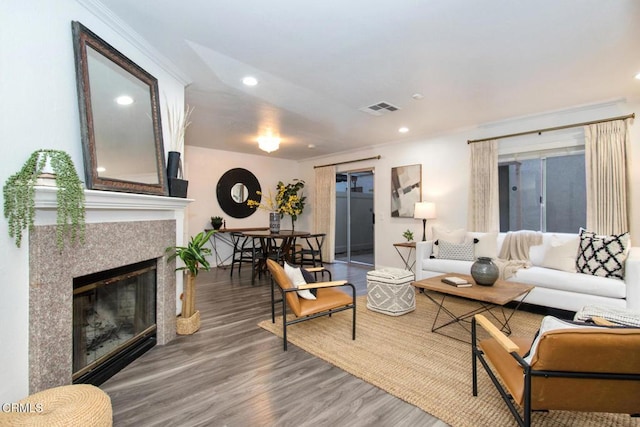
126	147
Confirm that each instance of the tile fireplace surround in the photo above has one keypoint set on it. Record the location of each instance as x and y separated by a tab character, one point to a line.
121	229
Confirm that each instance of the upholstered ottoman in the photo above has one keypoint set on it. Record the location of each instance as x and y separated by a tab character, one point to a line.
389	291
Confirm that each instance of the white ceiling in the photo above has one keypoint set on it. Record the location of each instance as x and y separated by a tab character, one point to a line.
319	62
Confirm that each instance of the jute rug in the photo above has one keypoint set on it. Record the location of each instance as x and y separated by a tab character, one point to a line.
401	356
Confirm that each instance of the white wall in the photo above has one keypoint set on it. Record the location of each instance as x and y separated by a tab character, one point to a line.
203	169
445	177
39	109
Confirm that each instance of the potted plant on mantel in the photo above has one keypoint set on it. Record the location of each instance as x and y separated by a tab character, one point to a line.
193	257
19	195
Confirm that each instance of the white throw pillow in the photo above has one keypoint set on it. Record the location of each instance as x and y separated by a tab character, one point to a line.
487	245
561	255
297	279
451	236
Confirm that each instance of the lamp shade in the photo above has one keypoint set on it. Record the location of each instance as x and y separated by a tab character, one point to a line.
425	210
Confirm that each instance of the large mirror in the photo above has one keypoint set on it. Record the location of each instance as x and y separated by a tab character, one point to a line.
119	119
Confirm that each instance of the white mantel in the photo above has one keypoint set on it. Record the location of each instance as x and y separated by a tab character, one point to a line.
113	206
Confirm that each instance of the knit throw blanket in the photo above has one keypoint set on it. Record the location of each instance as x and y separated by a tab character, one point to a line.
514	253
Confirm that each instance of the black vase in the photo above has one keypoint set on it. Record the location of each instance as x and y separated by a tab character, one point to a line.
173	164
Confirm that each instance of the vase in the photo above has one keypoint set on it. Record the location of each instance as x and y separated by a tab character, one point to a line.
274	222
173	164
484	271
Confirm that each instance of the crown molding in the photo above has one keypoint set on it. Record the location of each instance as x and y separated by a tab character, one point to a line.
96	8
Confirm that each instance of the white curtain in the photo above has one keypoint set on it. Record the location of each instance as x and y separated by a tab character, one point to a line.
484	203
606	174
324	208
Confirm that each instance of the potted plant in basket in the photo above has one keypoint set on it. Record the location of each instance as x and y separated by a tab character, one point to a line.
19	195
193	257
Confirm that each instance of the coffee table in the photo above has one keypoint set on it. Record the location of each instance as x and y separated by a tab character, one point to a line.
490	300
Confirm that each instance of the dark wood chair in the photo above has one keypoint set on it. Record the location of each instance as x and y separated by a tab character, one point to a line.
329	299
245	250
577	369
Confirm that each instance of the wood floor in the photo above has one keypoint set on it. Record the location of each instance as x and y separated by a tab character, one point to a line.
233	373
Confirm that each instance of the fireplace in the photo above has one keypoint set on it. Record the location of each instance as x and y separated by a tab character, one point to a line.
122	229
114	320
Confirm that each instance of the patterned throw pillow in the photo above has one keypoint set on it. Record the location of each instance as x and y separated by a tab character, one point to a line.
460	252
602	255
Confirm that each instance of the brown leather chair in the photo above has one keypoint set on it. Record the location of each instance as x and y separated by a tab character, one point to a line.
578	369
328	300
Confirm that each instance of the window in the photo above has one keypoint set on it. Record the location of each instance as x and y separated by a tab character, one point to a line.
543	193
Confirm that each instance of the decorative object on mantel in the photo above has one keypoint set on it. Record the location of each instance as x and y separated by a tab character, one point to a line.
484	271
216	222
408	234
122	140
178	124
19	196
194	258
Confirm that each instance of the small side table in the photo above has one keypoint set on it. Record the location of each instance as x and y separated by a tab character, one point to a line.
406	255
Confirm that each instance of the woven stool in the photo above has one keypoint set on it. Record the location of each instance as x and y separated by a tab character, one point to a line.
66	406
389	291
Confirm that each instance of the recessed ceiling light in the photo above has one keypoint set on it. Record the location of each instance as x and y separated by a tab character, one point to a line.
124	100
417	96
638	76
311	146
403	129
101	169
250	81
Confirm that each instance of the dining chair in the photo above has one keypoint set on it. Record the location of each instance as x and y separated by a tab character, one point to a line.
245	250
311	252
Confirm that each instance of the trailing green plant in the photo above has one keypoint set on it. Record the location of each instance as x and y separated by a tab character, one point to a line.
19	196
193	255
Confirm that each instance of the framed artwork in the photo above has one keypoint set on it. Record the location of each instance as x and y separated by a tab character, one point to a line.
406	190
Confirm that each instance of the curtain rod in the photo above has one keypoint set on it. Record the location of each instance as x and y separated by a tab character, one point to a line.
350	161
539	131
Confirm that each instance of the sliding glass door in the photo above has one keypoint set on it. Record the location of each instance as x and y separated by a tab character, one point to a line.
354	217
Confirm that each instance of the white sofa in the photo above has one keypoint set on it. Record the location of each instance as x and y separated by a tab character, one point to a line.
553	288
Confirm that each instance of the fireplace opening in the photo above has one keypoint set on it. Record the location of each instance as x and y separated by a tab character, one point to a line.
114	320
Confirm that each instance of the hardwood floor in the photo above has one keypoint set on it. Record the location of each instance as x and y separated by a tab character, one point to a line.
233	373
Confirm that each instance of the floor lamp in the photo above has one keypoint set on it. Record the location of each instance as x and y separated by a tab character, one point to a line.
424	211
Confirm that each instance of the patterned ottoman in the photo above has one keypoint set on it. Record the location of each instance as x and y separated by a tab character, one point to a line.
389	291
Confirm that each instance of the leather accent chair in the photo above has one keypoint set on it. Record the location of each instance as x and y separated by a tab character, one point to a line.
329	299
578	369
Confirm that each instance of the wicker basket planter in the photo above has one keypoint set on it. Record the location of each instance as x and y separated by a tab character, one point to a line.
189	325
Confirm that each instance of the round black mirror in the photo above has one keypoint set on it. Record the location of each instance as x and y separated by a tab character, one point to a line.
234	188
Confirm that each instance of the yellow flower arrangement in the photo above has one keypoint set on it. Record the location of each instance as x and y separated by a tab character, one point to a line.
286	202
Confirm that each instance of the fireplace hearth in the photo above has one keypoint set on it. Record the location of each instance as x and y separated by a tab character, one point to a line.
114	320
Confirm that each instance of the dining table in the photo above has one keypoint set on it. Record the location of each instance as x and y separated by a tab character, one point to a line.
276	245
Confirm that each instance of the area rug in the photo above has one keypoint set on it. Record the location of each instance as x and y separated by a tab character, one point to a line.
433	372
